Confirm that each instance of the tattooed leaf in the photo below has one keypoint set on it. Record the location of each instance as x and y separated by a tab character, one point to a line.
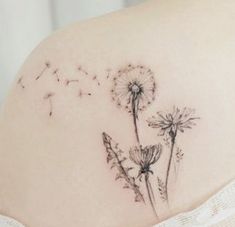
179	155
114	156
162	189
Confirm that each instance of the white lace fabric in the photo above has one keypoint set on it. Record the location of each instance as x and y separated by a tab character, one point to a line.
9	222
218	211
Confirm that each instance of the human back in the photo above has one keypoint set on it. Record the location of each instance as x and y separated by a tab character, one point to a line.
106	93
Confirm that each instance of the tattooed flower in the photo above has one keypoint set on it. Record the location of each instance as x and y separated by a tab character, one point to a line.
145	157
134	88
171	123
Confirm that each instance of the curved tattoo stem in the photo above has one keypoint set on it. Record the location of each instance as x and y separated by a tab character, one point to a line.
169	163
135	117
150	193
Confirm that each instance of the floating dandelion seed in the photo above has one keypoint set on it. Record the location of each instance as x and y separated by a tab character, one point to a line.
47	65
134	89
82	93
48	97
83	71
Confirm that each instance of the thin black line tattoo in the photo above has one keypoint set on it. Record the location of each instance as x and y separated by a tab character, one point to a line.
114	155
88	75
82	93
171	124
68	82
134	90
108	73
47	65
82	70
49	97
56	74
95	78
20	82
144	157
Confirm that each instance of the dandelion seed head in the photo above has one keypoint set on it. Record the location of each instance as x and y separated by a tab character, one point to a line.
134	83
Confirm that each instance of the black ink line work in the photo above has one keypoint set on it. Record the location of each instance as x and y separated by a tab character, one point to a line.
134	89
81	93
84	72
114	155
20	82
144	157
95	78
49	97
56	74
170	124
68	82
108	73
47	65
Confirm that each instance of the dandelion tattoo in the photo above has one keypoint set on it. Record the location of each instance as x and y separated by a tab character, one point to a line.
144	158
47	65
134	90
114	155
68	82
170	124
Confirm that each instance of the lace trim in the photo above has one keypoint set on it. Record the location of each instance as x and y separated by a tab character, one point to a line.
9	222
215	210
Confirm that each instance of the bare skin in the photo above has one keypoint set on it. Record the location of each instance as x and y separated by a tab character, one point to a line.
53	170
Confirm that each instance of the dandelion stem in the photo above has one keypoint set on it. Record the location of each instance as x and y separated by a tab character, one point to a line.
135	116
169	163
150	193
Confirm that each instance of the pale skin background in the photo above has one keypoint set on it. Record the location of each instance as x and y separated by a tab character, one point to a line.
53	171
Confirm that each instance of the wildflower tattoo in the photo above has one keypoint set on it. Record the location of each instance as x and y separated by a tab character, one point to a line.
133	90
170	124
